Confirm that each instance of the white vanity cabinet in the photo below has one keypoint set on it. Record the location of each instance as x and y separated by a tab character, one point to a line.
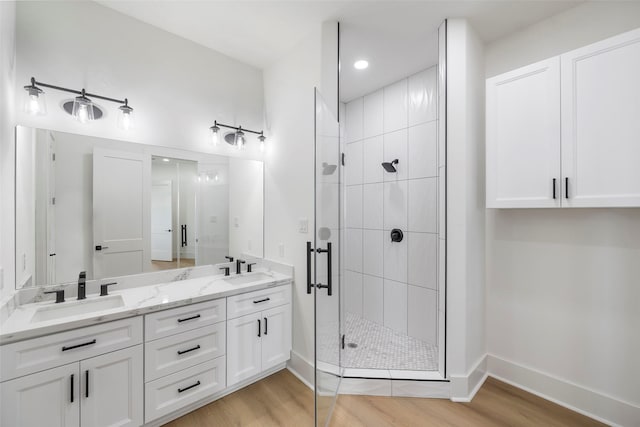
184	356
63	380
261	339
564	132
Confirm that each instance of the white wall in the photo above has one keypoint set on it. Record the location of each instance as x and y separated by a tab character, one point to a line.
176	87
289	170
394	283
7	122
466	346
563	284
246	205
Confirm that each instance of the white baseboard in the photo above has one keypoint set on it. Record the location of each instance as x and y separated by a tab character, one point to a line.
591	403
301	368
465	387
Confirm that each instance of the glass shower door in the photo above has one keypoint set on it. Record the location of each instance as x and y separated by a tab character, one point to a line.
324	253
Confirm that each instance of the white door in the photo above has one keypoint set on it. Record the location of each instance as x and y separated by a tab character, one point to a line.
112	389
276	336
121	212
161	222
523	137
49	398
244	336
601	123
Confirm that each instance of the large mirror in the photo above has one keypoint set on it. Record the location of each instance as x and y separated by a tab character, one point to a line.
113	208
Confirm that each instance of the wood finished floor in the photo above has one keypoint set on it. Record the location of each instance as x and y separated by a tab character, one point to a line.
282	400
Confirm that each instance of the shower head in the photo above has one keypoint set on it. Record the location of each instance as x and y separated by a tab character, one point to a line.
328	169
389	167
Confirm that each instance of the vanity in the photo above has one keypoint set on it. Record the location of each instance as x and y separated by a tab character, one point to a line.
143	355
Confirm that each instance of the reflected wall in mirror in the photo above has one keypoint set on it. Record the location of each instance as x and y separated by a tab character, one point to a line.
113	208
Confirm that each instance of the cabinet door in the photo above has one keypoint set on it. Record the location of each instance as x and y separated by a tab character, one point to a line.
243	347
49	398
523	137
112	389
276	336
601	123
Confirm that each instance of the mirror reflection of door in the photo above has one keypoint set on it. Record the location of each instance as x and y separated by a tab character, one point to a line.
173	204
161	221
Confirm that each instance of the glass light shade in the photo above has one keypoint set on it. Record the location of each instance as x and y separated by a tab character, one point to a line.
82	109
125	117
34	101
261	138
215	134
240	140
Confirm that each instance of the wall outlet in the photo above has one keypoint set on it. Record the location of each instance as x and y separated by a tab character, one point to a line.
303	225
281	250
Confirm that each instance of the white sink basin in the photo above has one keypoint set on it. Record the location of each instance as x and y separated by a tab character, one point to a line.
76	308
249	278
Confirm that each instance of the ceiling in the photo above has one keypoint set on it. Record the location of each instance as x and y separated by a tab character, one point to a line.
397	37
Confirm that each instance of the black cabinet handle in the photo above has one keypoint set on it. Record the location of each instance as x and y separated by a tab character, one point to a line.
71	347
259	329
262	300
265	326
180	390
72	386
566	187
309	250
188	318
86	383
187	351
554	188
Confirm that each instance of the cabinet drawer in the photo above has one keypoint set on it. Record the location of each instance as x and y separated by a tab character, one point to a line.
171	354
25	357
176	320
252	302
175	391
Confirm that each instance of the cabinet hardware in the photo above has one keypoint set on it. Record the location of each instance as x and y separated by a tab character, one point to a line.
86	383
71	347
262	300
259	329
554	188
188	318
566	187
309	250
71	388
187	351
265	326
180	390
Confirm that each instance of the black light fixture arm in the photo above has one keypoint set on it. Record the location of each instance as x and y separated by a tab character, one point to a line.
82	92
237	128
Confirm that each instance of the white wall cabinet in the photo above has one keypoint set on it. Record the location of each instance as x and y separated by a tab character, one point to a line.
49	398
564	132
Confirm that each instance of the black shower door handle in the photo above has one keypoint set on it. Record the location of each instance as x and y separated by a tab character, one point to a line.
328	286
309	250
183	229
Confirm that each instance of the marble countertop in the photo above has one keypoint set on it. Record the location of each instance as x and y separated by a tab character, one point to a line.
138	300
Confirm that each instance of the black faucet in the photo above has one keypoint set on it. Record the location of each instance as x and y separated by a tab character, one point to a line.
82	287
226	270
238	262
249	266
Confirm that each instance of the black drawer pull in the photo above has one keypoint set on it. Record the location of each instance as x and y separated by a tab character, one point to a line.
71	347
265	326
566	188
262	300
191	349
188	318
71	388
180	390
554	188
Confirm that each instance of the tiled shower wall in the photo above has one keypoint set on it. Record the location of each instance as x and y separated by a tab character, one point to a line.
394	284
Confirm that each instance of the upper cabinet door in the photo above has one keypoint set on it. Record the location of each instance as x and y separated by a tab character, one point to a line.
523	137
601	123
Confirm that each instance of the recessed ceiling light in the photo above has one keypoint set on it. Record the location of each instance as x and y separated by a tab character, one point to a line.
361	64
165	160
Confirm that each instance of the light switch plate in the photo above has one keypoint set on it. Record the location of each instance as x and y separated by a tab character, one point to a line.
303	225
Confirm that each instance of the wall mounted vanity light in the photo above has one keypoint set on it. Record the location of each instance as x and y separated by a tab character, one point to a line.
81	108
239	138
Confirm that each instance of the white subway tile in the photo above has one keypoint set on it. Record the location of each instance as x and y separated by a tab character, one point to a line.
422	314
373	299
354	116
372	208
373	114
395	306
372	155
395	205
423	96
422	205
423	259
353	163
395	106
395	258
353	256
354	206
372	261
423	150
